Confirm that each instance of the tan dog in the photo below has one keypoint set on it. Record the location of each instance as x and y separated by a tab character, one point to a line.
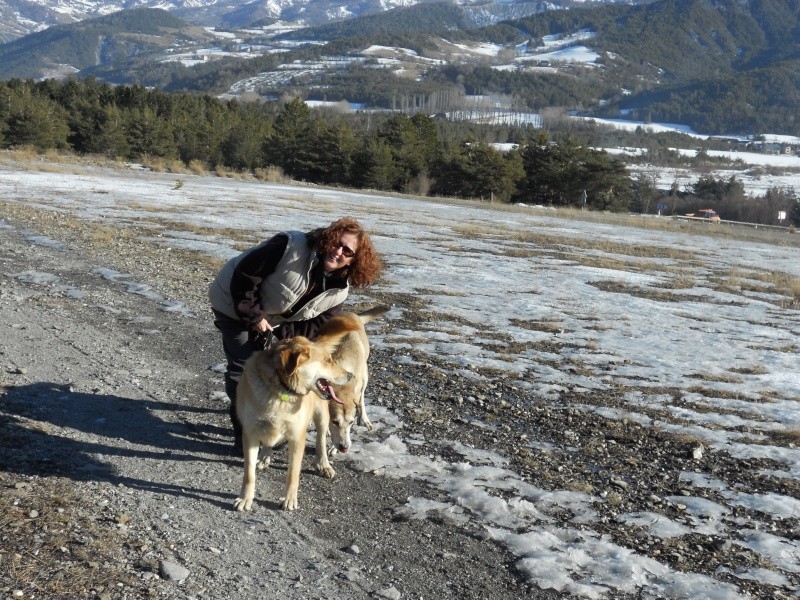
280	391
351	353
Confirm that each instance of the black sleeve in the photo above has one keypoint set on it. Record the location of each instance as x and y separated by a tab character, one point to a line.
308	328
250	272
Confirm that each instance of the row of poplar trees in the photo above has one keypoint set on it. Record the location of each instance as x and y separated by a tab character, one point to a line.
391	151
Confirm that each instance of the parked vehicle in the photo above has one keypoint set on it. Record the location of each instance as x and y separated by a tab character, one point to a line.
705	213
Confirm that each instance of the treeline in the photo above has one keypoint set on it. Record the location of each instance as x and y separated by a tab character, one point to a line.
535	90
728	198
779	206
390	151
394	152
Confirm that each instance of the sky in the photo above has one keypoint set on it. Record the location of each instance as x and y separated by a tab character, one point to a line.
616	306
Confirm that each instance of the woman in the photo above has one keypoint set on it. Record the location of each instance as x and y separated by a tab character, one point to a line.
286	286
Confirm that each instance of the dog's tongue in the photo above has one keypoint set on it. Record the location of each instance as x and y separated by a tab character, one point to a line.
326	386
334	397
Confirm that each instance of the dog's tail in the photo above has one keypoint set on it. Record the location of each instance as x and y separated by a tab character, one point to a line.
373	313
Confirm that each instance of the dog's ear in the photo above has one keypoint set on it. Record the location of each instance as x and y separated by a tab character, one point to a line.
293	358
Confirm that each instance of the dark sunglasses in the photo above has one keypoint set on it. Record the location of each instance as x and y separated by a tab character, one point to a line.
346	251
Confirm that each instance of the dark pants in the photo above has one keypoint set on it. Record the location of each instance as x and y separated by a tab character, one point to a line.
237	345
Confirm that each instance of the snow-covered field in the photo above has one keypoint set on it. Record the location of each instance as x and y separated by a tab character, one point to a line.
756	171
715	319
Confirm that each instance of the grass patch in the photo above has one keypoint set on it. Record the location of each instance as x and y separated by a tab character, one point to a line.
450	292
754	370
558	242
198	167
406	339
545	326
613	264
789	437
618	287
763	282
271	175
159	164
716	377
717	393
681	282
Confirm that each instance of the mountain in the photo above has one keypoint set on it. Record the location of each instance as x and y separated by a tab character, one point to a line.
21	17
84	40
64	49
719	66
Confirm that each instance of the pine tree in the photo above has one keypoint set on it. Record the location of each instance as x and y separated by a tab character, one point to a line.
374	166
241	147
415	145
109	136
289	145
476	170
564	174
35	121
150	135
794	213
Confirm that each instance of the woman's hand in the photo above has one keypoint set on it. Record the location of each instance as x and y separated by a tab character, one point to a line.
262	326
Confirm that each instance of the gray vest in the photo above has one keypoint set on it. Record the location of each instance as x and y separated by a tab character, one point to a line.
280	290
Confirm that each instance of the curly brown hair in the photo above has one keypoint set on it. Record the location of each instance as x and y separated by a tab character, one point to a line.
366	264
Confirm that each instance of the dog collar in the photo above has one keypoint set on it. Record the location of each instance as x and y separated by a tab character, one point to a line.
285	397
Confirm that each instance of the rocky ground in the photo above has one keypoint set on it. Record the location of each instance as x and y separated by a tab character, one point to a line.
118	479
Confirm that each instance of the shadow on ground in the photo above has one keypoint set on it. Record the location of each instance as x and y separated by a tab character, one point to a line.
47	430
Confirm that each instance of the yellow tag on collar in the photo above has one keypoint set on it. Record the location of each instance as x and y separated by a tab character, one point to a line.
285	397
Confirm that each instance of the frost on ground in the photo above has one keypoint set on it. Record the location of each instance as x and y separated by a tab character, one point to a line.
563	407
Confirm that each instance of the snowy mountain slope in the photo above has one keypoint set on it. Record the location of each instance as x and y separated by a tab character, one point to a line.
21	17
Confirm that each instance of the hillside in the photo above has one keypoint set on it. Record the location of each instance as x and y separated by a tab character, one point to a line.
434	17
63	49
22	17
727	67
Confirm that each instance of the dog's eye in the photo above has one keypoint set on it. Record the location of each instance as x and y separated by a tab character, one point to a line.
336	422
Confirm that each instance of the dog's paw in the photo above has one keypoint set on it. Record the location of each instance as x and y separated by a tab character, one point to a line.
290	502
366	422
332	451
243	504
327	471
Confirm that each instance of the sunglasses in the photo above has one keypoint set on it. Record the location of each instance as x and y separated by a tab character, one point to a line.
347	252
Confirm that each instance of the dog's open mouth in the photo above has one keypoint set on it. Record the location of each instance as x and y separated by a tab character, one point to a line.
326	390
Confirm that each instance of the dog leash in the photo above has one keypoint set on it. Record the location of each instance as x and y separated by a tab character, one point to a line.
265	340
